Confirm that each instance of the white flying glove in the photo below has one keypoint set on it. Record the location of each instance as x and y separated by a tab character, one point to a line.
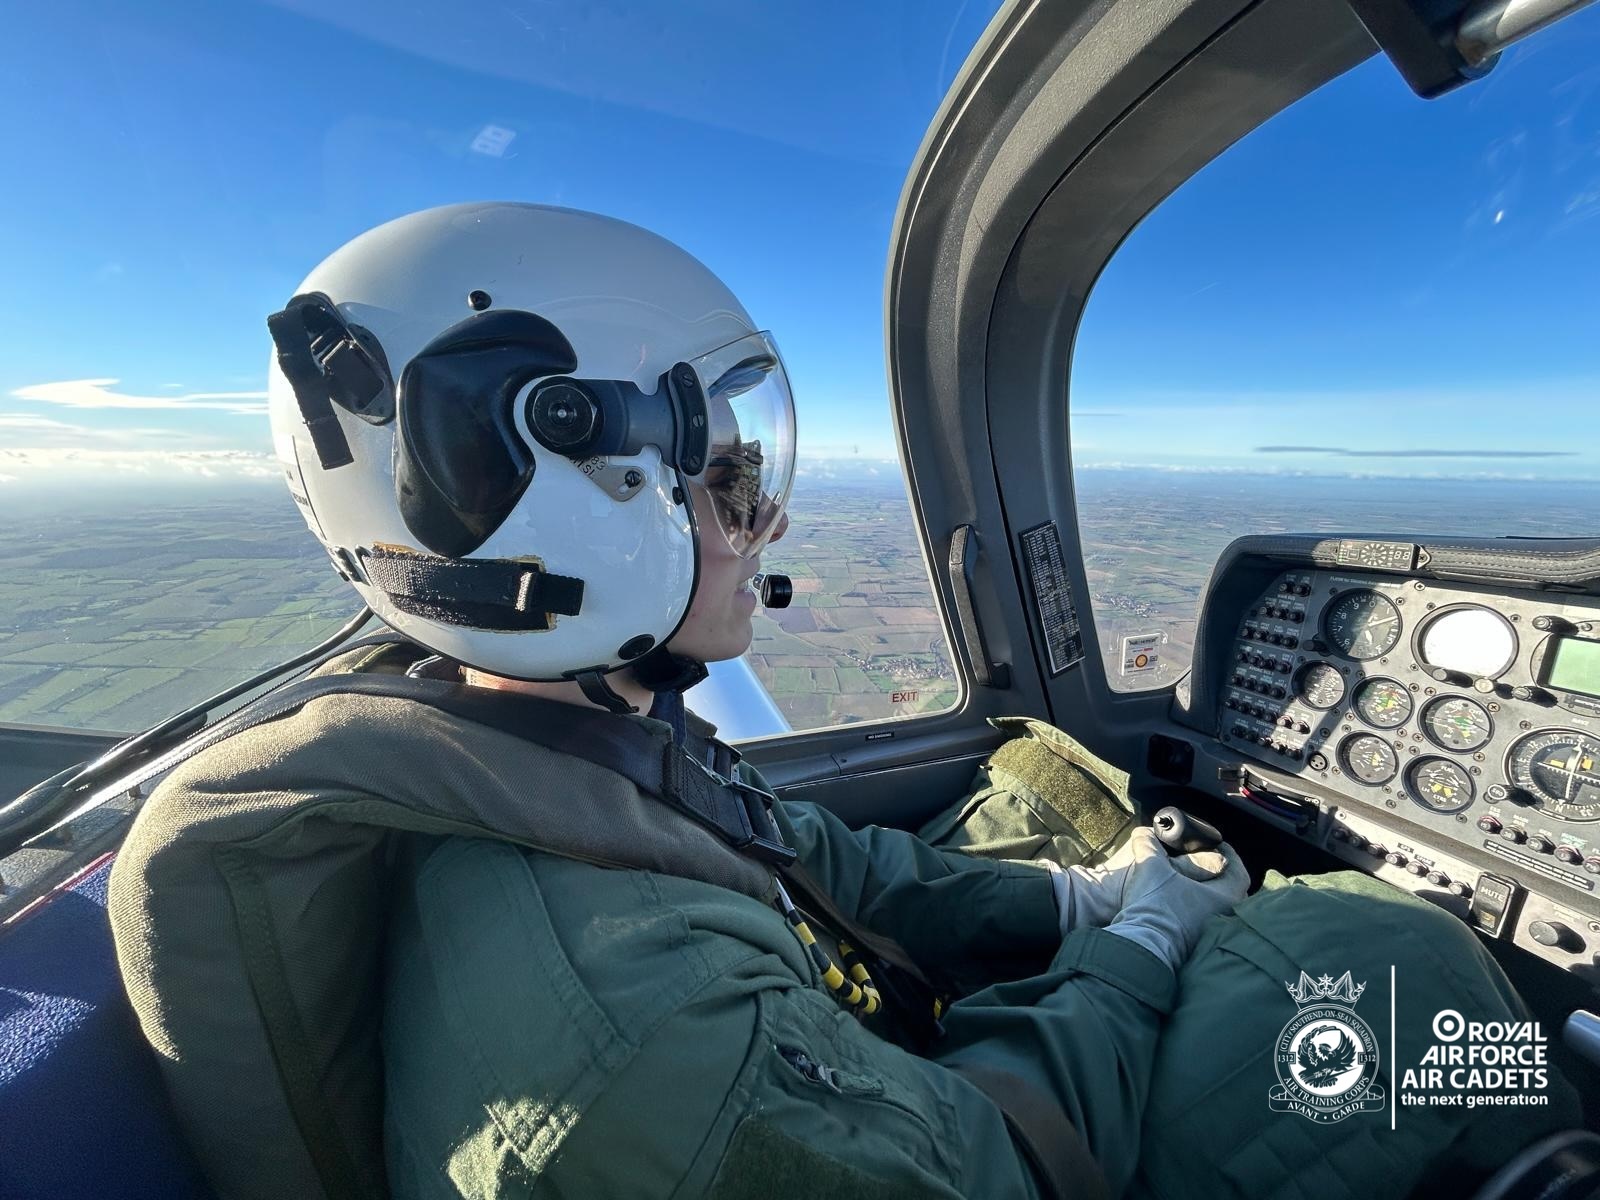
1166	900
1095	897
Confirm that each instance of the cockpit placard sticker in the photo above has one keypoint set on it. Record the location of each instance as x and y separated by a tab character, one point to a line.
1052	596
1141	654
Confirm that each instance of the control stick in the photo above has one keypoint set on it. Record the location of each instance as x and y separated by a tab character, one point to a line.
1182	834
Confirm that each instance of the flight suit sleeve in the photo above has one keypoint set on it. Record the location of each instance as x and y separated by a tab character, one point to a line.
976	920
831	1106
1084	1034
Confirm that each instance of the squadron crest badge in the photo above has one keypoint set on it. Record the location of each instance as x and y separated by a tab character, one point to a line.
1326	1057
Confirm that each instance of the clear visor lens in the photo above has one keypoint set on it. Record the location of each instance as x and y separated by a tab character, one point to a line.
750	468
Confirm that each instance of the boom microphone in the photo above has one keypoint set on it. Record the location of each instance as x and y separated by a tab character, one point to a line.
775	590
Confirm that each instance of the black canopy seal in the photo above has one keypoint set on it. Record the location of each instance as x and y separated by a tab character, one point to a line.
480	593
1420	38
328	362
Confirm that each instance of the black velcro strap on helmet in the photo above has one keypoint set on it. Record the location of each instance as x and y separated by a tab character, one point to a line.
310	389
481	593
329	362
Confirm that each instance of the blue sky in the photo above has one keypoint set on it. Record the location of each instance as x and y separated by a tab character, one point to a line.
1366	273
178	168
1370	284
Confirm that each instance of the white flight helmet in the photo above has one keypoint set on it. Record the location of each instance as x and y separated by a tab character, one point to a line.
489	414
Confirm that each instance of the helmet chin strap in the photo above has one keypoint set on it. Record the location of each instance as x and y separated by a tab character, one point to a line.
660	671
669	675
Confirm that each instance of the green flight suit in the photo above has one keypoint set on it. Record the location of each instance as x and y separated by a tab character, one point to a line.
1208	1128
557	1029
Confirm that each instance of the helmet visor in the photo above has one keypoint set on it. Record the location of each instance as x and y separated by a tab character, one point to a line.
750	467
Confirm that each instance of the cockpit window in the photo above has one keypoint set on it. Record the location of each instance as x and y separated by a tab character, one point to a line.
174	171
1375	314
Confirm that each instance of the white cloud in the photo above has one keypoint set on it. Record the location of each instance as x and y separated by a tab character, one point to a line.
8	479
22	431
19	421
97	393
166	464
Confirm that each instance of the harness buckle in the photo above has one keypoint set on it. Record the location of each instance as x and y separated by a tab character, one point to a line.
761	838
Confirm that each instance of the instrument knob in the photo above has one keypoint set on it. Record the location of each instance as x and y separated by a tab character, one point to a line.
1556	936
1532	695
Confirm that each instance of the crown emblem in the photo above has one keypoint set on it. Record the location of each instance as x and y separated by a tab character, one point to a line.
1342	991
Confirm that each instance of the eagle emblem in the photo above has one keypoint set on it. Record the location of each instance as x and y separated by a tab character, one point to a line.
1327	1057
1322	1062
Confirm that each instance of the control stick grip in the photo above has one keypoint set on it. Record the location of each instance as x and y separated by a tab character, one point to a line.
1182	834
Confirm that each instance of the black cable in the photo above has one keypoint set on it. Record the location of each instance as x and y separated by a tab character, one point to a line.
41	805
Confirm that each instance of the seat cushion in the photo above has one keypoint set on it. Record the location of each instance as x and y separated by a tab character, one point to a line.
82	1111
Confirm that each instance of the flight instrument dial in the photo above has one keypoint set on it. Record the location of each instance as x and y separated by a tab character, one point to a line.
1439	784
1369	758
1320	685
1457	723
1561	770
1383	703
1362	624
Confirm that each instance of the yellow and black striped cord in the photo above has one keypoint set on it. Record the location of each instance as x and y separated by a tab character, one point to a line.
855	990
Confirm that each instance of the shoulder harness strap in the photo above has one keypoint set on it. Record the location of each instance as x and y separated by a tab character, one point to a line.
739	814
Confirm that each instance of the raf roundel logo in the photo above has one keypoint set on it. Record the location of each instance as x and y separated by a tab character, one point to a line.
1326	1056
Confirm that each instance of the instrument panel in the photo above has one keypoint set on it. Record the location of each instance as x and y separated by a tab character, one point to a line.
1470	714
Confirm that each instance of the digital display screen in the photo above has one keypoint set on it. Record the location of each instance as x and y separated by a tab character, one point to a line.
1574	666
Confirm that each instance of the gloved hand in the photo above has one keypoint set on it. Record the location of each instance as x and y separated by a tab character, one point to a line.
1167	899
1143	893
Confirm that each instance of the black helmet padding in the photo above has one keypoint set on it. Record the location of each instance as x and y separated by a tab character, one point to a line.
459	464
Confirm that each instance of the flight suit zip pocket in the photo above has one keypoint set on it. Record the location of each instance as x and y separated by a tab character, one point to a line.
840	1083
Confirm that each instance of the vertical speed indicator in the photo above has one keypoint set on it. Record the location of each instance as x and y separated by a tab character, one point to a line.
1362	624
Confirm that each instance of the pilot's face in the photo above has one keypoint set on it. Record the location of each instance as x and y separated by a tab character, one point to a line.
718	624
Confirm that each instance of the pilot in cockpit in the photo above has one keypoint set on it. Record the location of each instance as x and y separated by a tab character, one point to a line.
493	915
